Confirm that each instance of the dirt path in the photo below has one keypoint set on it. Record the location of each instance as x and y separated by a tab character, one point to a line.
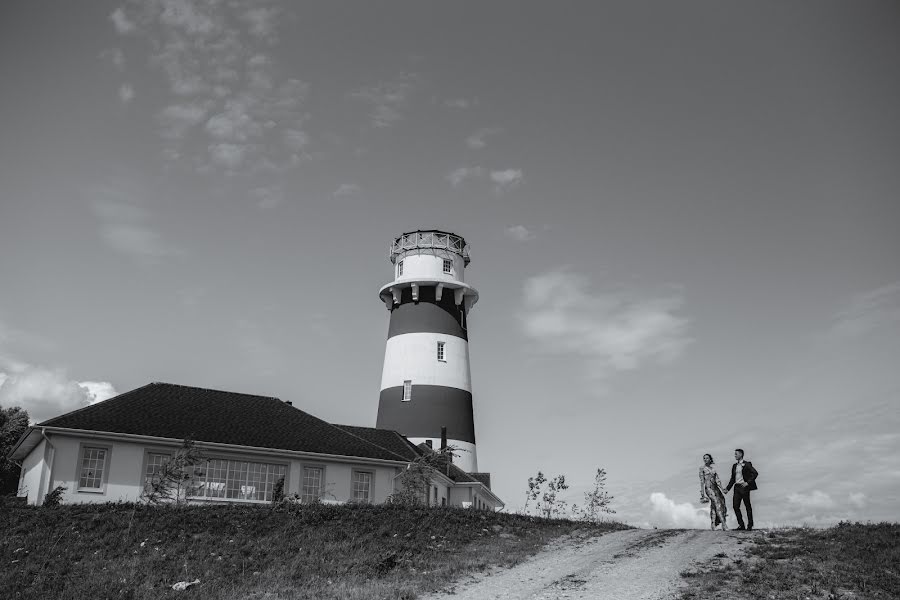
623	565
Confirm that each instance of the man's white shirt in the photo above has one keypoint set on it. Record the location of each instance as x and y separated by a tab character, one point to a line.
739	473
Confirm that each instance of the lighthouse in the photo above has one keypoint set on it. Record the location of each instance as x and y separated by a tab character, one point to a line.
426	384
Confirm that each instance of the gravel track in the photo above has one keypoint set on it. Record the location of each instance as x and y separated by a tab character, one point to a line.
637	564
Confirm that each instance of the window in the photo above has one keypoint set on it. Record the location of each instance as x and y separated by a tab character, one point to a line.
400	269
447	265
234	479
155	462
362	487
93	464
311	490
440	351
407	390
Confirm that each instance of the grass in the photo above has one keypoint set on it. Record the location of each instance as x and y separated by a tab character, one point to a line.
843	562
137	552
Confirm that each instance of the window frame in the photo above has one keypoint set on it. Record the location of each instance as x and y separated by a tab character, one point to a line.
232	485
407	391
441	351
146	462
353	473
303	468
79	466
447	266
399	268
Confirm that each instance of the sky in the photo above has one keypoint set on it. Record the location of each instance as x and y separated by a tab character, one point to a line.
683	222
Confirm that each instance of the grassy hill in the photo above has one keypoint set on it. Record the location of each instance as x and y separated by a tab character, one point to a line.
848	561
134	552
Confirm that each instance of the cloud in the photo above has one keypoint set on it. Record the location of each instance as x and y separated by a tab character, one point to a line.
460	103
867	312
268	196
506	179
520	233
458	176
666	513
478	140
226	105
121	22
177	119
815	500
609	331
123	222
388	99
347	189
857	499
126	93
46	392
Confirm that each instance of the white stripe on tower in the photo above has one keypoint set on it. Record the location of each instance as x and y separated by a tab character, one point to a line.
426	381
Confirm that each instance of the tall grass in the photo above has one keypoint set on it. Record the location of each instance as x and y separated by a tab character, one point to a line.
133	551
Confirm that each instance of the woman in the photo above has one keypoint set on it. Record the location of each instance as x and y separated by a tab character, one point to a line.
711	491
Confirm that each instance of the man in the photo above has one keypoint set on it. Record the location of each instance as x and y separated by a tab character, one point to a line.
743	480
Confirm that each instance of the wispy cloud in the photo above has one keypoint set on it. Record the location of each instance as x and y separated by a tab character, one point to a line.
121	22
868	311
268	196
126	93
124	223
387	99
458	176
520	233
228	107
460	103
610	331
346	190
506	179
478	140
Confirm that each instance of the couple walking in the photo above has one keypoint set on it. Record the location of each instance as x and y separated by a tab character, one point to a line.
743	480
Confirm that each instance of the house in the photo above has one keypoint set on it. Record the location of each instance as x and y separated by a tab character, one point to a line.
107	452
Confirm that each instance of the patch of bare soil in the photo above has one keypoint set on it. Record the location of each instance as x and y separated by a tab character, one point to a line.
623	565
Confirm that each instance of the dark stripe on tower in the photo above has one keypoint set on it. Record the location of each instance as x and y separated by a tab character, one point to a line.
427	315
431	407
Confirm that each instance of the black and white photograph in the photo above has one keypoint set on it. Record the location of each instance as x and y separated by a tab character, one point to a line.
450	300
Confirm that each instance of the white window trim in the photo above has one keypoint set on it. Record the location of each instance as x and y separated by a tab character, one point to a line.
407	397
442	351
303	468
371	474
447	266
104	477
400	268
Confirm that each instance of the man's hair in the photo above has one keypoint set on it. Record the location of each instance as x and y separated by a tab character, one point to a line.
739	450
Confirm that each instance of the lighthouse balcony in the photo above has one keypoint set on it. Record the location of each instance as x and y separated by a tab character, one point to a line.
463	294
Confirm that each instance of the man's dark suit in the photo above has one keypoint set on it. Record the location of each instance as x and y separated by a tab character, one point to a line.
742	493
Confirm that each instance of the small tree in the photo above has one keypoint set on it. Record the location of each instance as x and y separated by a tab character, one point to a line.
534	491
170	483
415	481
553	505
597	500
13	424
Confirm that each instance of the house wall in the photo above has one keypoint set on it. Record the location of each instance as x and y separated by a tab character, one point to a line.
459	495
33	467
125	467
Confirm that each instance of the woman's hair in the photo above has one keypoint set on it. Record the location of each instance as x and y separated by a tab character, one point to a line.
710	457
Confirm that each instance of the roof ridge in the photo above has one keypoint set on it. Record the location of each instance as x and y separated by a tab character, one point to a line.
207	389
341	428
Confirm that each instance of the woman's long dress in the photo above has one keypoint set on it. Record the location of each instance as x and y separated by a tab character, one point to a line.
711	489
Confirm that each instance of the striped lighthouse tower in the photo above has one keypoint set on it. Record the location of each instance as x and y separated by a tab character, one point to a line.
426	383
